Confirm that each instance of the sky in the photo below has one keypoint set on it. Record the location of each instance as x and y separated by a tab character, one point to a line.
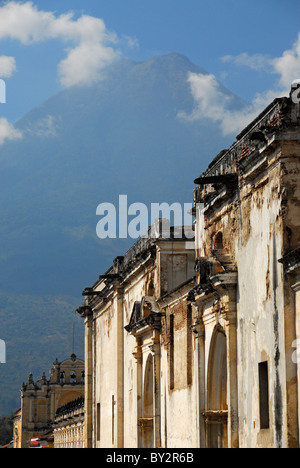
251	47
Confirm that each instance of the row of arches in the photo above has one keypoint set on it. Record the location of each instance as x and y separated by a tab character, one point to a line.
71	378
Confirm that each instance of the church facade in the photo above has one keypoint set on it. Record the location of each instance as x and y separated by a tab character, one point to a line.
41	399
198	348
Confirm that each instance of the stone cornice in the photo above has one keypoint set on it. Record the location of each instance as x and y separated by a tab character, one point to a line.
291	261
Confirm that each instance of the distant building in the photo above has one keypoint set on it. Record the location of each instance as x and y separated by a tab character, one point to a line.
41	399
68	427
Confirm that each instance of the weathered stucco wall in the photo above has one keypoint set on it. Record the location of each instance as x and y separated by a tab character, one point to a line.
105	374
260	311
134	404
179	390
250	217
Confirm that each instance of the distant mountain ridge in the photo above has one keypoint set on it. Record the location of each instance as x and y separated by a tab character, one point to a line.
82	147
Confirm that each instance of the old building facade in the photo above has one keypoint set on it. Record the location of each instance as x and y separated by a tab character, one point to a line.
244	300
127	358
198	348
41	399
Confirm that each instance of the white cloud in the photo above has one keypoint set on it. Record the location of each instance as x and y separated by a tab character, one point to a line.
288	65
85	64
91	47
131	42
255	62
211	103
8	131
208	98
7	66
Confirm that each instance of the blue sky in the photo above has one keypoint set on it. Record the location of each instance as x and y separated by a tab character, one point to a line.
250	46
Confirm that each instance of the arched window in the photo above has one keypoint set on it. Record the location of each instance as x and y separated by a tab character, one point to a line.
73	377
148	389
62	378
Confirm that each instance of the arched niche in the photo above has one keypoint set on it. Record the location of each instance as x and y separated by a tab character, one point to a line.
217	403
148	403
218	241
147	421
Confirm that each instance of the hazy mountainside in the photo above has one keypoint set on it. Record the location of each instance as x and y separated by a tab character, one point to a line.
36	331
83	147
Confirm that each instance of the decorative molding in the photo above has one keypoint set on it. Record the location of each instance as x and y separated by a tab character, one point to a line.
291	261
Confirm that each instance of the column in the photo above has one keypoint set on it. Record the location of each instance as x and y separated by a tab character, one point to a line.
120	369
199	330
138	355
232	392
157	376
295	359
88	378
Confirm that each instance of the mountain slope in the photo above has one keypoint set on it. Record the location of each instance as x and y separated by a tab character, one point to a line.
80	148
84	147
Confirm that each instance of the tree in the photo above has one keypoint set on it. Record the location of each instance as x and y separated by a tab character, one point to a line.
6	431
